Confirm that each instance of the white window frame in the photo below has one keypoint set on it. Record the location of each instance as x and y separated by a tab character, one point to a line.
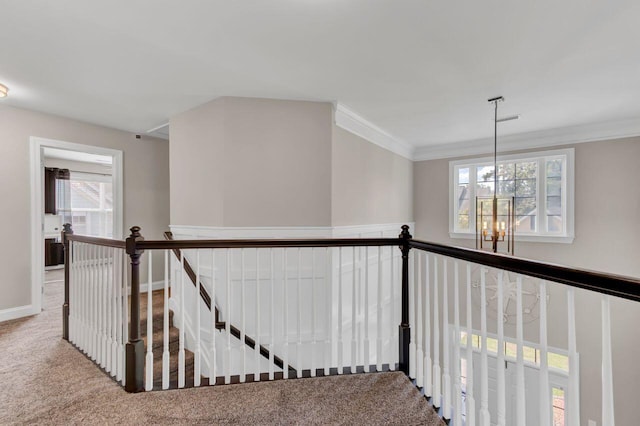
541	235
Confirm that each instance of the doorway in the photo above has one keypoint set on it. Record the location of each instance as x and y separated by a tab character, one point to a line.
93	178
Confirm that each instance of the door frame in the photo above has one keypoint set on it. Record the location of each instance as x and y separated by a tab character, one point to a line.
37	145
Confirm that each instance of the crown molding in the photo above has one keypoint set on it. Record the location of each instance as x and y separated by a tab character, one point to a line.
539	139
161	131
354	123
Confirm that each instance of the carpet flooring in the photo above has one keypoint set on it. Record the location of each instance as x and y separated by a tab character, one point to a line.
45	380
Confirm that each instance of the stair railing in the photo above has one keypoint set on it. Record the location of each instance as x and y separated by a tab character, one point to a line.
433	292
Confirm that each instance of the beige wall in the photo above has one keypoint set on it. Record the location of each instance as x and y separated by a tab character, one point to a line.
277	163
197	165
607	208
370	185
146	186
252	162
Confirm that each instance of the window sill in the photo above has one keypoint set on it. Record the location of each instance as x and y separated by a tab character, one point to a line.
520	238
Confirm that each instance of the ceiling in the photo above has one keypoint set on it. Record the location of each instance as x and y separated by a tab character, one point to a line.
420	70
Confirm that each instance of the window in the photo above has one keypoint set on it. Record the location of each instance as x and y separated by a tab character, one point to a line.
541	185
91	205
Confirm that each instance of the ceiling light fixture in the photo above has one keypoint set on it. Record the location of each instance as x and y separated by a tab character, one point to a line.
495	216
4	91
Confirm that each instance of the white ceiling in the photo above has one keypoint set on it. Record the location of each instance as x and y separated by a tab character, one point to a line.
421	70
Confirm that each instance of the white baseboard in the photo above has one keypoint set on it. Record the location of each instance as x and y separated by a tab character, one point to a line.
18	312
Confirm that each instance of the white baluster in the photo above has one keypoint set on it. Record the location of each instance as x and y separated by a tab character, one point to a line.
393	347
545	394
608	417
446	360
95	297
107	303
100	300
181	352
485	417
328	302
213	359
314	346
165	324
243	317
573	394
380	305
353	315
365	289
117	280
256	352
413	347
149	360
89	284
437	374
457	393
299	315
419	361
125	311
428	367
521	405
272	310
285	336
470	407
500	366
73	303
227	319
197	355
340	307
113	298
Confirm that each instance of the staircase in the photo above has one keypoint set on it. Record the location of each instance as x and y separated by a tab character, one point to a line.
158	345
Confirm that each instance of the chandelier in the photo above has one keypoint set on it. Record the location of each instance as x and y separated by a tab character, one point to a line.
495	216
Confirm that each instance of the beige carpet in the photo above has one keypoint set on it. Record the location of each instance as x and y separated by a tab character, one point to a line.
44	380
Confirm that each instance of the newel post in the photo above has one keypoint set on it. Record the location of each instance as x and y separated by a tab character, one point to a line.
134	350
405	328
66	231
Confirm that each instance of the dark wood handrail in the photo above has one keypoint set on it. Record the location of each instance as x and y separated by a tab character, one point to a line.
107	242
206	298
266	243
614	285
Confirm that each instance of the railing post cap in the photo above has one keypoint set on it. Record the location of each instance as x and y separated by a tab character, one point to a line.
405	232
67	229
133	239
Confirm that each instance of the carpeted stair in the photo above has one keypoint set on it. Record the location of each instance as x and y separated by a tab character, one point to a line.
174	344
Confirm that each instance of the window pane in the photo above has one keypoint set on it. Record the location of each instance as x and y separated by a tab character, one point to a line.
554	168
463	221
528	170
525	223
485	173
525	206
463	175
506	171
506	188
554	205
525	187
554	224
529	354
484	189
558	407
85	195
561	362
554	186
